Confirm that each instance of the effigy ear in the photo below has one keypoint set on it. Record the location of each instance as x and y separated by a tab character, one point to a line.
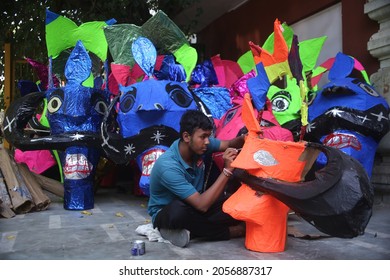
249	118
145	55
18	114
276	63
79	64
63	33
342	67
258	87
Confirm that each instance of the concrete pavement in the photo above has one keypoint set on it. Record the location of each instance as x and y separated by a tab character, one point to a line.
107	231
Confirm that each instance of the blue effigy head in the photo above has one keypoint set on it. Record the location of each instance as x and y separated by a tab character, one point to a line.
75	109
148	112
348	113
75	113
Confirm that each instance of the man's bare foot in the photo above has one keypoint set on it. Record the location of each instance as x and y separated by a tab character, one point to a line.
237	230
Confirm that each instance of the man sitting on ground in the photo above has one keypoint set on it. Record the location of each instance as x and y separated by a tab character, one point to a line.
178	204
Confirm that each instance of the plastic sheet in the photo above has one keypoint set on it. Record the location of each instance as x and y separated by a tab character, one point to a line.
164	33
74	113
119	38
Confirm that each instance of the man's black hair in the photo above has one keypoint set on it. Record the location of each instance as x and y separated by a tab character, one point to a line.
192	120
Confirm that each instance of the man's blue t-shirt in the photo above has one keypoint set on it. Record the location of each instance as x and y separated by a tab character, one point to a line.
172	178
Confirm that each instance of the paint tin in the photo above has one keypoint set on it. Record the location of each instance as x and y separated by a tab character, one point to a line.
138	248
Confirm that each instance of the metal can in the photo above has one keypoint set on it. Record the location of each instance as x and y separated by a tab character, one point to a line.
138	248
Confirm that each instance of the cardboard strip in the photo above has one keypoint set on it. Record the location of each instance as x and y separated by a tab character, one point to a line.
41	200
5	200
50	185
20	196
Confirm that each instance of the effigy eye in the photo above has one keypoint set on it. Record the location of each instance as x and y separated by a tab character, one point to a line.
54	104
179	95
128	101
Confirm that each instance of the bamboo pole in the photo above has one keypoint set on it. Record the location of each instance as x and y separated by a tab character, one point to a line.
7	81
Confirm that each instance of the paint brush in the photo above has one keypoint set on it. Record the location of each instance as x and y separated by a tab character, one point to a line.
221	153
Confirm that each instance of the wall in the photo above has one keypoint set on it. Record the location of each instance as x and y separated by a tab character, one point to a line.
253	21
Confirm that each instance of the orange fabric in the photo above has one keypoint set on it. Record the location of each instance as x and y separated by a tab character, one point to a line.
268	158
280	49
276	64
270	240
249	118
265	217
271	159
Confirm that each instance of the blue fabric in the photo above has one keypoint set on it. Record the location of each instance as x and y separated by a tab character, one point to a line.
50	17
78	66
342	67
217	100
110	21
204	74
152	102
172	178
150	157
258	87
362	148
27	87
348	91
79	165
77	109
348	114
170	70
145	54
355	94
